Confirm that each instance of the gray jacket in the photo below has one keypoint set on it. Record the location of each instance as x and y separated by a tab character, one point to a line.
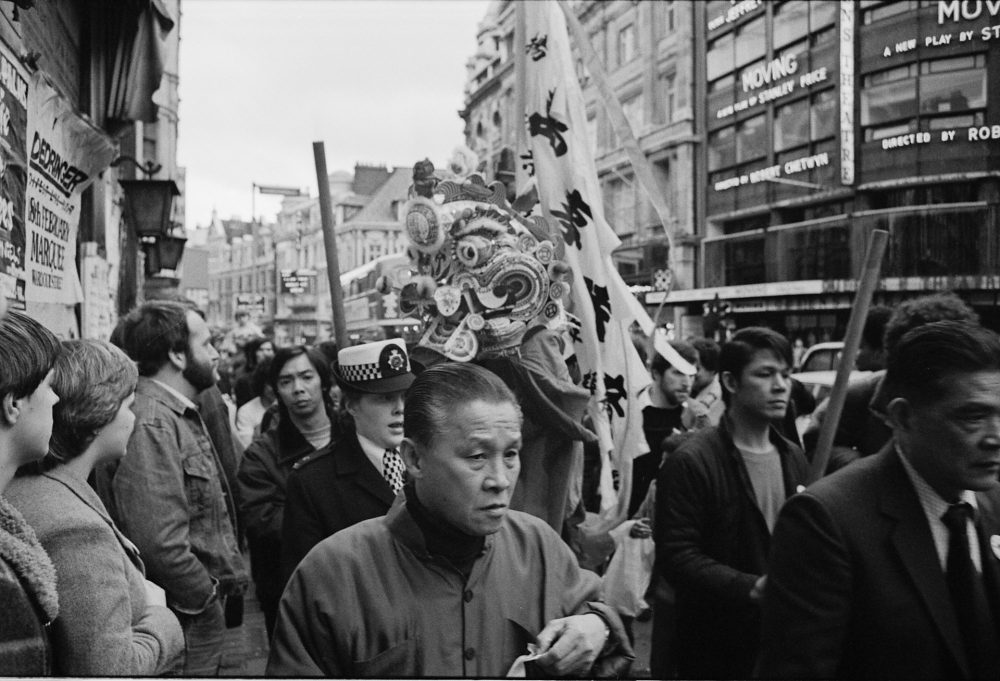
168	497
105	627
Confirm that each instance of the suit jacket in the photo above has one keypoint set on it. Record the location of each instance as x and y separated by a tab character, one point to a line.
855	587
105	626
328	493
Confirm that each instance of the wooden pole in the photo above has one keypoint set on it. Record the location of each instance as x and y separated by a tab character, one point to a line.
852	341
330	242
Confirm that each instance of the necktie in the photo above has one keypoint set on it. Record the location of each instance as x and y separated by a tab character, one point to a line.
968	595
392	469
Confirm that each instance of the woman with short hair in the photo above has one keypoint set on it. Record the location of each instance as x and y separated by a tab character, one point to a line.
112	621
28	599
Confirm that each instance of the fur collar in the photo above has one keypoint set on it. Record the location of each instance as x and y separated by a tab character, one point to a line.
20	549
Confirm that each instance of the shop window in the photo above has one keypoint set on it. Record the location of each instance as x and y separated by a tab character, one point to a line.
823	114
721	148
791	125
888	102
791	21
626	45
720	57
751	139
750	44
889	9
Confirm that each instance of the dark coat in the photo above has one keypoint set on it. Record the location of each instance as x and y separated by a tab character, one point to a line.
327	494
856	589
262	478
712	544
28	599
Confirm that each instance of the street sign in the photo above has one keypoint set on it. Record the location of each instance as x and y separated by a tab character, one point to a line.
297	281
252	303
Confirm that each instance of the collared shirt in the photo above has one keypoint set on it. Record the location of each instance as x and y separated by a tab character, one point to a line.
934	507
374	453
185	401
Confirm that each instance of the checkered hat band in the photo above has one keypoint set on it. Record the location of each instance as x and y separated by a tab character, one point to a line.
359	373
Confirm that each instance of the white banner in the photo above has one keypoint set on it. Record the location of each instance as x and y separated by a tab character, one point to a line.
64	154
565	174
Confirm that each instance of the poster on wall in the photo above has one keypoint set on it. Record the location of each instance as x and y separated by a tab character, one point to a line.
13	176
65	153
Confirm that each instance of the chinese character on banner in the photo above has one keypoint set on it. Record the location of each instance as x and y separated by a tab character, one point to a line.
570	196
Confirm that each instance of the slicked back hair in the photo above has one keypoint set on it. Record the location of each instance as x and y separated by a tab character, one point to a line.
151	331
925	357
92	379
737	353
28	351
936	307
438	392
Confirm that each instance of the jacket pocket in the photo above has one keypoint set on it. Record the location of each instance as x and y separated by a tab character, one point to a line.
398	660
199	483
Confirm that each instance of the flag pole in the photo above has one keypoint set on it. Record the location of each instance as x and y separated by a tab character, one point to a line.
520	84
640	164
330	242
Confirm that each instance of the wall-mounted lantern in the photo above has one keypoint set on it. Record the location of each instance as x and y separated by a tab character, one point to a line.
163	253
148	202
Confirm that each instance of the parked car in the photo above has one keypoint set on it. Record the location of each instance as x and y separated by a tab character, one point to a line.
822	357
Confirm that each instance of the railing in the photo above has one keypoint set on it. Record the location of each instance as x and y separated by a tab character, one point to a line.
926	241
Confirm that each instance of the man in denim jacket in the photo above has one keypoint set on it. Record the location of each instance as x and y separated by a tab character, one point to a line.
169	494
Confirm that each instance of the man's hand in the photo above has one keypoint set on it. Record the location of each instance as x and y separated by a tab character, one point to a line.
757	592
641	529
569	645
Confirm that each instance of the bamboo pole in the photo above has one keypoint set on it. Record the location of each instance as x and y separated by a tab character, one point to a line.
330	242
852	341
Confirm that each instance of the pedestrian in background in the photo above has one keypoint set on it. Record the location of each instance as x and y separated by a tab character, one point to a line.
29	602
112	622
170	493
304	425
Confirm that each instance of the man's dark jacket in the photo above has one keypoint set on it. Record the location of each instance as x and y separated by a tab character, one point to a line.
712	545
262	479
327	494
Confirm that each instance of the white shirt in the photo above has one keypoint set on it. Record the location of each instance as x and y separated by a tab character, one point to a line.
935	507
374	453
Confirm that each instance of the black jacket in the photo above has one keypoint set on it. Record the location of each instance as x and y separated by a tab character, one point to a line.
329	493
712	545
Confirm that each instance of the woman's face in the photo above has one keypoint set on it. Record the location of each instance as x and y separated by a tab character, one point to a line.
113	437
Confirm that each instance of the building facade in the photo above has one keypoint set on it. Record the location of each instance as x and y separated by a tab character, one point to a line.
647	52
826	120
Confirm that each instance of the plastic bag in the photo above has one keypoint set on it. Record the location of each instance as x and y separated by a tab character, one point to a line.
628	574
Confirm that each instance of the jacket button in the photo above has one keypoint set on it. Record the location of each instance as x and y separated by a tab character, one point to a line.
468	595
470	653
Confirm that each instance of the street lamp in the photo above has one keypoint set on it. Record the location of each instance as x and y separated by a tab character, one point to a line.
148	201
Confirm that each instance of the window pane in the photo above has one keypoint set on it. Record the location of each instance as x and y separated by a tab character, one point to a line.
721	149
791	125
889	75
949	122
751	139
889	131
750	43
791	21
720	57
970	61
955	91
824	114
724	83
888	102
888	10
823	13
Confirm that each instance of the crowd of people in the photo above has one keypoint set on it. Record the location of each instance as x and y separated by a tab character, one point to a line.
368	497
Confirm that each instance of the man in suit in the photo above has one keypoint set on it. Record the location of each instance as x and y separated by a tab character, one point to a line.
359	476
890	568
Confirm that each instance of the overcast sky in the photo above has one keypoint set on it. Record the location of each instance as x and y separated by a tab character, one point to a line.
378	81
